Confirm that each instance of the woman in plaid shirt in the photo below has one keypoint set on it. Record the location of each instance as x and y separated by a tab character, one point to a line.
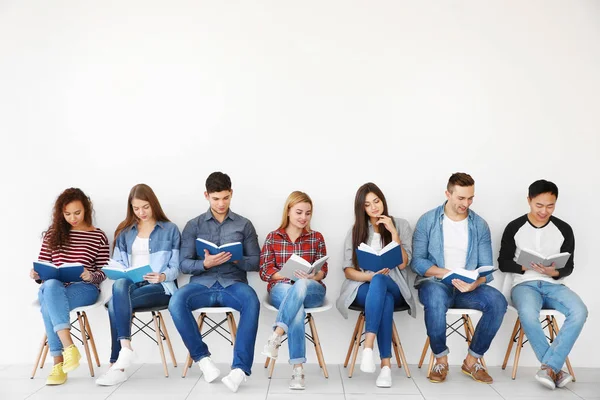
293	236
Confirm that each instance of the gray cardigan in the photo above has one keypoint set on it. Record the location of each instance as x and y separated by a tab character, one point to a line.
349	288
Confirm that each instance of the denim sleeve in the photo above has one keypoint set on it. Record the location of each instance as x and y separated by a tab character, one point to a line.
120	250
484	248
250	261
172	270
189	263
420	245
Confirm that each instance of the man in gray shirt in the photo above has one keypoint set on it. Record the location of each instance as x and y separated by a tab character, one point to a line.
218	281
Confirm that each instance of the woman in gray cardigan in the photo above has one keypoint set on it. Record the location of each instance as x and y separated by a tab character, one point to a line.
380	292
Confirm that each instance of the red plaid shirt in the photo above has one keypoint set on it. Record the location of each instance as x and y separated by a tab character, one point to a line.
278	248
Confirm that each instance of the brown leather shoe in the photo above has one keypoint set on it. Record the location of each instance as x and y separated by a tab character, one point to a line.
477	372
438	373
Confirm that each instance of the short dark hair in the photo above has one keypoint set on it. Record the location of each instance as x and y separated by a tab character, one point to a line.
542	186
218	182
460	179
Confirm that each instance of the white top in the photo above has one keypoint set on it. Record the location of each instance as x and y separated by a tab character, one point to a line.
376	242
456	242
140	252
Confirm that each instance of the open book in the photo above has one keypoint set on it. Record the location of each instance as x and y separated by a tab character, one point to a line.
115	270
371	260
526	257
235	248
466	275
296	262
67	272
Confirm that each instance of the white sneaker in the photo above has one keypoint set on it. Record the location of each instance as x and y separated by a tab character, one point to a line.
125	359
209	369
384	380
234	379
366	363
112	377
271	349
297	381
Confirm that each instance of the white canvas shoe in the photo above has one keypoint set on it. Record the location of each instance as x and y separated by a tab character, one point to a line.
234	379
112	377
209	369
384	380
367	364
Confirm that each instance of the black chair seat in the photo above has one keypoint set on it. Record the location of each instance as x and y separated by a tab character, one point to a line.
403	307
150	309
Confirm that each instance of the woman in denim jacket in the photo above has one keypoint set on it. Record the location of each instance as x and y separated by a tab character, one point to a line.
145	237
380	292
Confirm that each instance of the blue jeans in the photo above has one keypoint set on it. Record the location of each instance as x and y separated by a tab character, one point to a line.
56	303
437	297
378	298
127	296
529	298
291	300
239	296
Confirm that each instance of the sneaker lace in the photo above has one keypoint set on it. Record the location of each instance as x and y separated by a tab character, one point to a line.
56	369
437	368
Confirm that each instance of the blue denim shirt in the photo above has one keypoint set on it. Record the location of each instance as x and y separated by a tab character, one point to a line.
165	241
234	228
428	243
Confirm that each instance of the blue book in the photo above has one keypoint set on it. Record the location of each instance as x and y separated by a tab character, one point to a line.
371	260
235	248
116	271
468	276
67	272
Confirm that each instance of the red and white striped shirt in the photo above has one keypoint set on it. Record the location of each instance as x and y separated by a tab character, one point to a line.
89	248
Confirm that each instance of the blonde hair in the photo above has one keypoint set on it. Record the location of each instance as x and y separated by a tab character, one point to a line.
294	198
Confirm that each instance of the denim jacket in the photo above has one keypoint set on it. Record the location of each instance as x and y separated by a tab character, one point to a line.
165	241
428	243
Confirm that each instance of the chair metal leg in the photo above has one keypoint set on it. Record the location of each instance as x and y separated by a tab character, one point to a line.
401	350
352	341
512	340
81	316
43	348
357	343
160	343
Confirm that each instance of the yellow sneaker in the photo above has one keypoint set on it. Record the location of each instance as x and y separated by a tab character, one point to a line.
71	359
57	375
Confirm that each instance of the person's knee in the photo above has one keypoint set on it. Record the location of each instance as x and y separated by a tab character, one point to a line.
121	285
528	313
378	279
434	297
52	284
579	314
300	286
176	302
498	304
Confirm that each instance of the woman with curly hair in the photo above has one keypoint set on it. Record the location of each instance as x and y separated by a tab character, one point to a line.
71	238
145	237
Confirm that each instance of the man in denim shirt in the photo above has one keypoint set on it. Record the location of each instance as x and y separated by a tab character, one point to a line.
217	281
452	237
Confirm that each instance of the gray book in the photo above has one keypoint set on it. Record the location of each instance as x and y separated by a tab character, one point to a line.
527	256
296	262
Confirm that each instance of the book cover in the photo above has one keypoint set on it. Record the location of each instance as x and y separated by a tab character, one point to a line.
235	248
468	276
296	262
135	274
388	257
68	272
527	256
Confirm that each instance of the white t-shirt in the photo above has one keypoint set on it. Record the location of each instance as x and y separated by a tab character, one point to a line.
376	242
140	252
456	242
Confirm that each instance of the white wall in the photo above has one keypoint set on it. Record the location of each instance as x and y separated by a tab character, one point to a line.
314	95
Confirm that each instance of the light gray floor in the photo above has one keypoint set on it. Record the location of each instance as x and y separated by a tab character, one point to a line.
147	382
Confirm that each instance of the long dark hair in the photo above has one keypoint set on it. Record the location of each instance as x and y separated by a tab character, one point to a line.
145	193
59	229
360	230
